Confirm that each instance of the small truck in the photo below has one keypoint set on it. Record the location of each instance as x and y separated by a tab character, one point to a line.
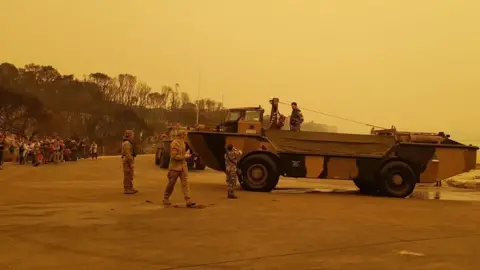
386	161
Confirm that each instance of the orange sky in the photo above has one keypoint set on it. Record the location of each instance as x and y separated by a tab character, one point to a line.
413	64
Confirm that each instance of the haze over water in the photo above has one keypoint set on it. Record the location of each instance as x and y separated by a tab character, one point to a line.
412	64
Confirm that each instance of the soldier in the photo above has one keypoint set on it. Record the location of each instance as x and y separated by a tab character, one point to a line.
231	158
128	158
172	132
178	169
296	119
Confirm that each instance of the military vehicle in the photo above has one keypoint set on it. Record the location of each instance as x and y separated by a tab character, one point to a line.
387	161
162	155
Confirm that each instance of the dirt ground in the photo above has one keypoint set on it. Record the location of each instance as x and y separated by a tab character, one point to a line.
75	216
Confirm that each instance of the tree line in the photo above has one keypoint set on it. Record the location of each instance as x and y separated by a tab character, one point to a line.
39	100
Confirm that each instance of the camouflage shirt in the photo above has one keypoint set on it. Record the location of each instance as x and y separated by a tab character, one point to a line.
128	153
231	160
173	133
296	118
177	156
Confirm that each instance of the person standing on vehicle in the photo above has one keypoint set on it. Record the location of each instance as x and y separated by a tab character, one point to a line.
178	169
232	155
296	119
128	158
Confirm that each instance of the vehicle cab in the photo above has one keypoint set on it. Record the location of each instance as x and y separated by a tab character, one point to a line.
248	120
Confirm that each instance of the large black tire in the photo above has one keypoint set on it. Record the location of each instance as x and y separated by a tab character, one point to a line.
258	173
366	186
164	160
397	179
198	165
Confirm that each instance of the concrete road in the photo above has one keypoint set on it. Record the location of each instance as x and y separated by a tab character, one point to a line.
75	216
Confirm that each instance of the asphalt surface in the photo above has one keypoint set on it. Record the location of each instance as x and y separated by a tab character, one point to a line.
75	216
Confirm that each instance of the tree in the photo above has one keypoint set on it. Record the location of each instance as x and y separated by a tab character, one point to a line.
126	89
142	91
156	100
8	75
105	83
185	98
42	74
39	99
18	112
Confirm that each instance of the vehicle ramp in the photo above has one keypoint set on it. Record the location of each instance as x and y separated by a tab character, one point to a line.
334	144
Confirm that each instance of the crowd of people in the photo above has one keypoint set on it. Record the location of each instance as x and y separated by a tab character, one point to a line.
47	150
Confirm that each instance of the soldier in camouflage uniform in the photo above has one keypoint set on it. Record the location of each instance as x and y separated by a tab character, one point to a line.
172	131
178	169
232	155
128	158
296	119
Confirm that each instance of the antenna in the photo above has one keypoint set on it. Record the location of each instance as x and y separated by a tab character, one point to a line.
198	96
338	117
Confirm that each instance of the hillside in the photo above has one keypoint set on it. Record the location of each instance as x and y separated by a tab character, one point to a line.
39	100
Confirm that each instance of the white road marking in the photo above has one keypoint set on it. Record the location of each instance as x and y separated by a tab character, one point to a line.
405	252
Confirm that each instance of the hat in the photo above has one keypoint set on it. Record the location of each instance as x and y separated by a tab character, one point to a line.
180	132
128	133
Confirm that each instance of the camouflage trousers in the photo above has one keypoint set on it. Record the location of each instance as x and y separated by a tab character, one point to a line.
172	180
127	176
294	127
231	180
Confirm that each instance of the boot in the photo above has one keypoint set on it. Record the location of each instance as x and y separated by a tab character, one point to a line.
191	204
130	191
231	195
166	202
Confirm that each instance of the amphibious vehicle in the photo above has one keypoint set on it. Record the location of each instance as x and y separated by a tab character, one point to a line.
386	161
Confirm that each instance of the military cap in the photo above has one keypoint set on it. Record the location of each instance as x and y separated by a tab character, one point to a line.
181	132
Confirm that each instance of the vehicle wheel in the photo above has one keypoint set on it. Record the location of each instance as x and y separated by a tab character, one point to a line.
164	160
199	165
258	173
397	179
366	186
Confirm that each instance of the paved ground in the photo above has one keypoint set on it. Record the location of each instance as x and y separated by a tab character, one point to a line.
75	216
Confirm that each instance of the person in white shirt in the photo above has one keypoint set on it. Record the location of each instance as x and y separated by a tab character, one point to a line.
93	150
